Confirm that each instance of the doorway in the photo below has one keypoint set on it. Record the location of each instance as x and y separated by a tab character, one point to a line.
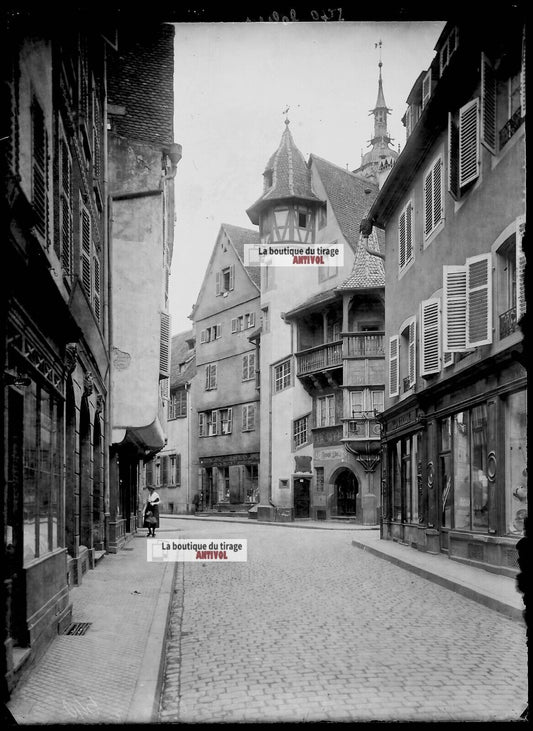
302	499
346	487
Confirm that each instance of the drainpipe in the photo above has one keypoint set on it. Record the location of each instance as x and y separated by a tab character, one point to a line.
365	228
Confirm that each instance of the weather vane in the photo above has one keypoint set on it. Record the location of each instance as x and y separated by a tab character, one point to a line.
378	45
285	112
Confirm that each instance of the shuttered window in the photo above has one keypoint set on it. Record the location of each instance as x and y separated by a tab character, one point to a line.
411	364
430	337
453	157
218	280
468	142
202	425
65	206
248	417
210	376
86	250
97	288
433	199
165	480
488	104
467	304
405	235
394	375
164	345
39	168
149	473
520	269
248	366
426	88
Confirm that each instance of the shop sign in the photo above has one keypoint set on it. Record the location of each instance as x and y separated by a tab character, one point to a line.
326	454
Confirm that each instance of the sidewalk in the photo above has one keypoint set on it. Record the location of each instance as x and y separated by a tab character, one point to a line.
113	673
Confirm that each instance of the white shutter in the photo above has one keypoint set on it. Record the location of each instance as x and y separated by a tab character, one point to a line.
469	142
453	157
520	268
488	104
244	367
479	281
454	309
251	319
428	203
409	233
433	197
429	336
411	366
214	375
201	424
447	359
245	418
401	240
232	276
233	324
207	372
164	345
230	420
394	376
426	88
202	336
218	330
438	208
218	282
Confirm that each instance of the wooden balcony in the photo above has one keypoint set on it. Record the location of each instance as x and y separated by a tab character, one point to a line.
319	358
363	345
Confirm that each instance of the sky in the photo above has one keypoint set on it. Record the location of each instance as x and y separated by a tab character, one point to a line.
232	82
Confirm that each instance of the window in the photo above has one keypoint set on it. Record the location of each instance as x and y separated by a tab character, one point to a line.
327	272
248	417
299	431
488	104
248	366
319	479
174	470
211	333
225	416
282	376
225	280
210	376
463	148
237	324
404	478
303	217
407	354
467	304
252	483
426	88
215	423
450	44
325	410
177	407
249	319
405	236
265	319
507	289
433	199
366	402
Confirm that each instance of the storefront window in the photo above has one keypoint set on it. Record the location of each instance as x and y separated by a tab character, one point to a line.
461	459
396	481
30	471
446	472
478	476
516	453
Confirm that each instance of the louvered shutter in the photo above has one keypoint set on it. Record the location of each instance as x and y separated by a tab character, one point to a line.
438	208
149	473
454	309
520	269
453	158
523	75
479	281
164	345
230	420
86	251
394	375
218	330
430	337
488	104
39	168
97	288
207	381
468	142
232	276
412	354
201	424
214	375
428	203
409	233
447	359
245	418
164	471
218	282
202	336
426	88
244	367
401	239
66	209
178	469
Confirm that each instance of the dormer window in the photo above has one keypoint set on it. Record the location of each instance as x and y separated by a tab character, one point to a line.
268	179
224	280
447	49
304	217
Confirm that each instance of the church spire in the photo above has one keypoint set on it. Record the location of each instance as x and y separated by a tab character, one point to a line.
381	110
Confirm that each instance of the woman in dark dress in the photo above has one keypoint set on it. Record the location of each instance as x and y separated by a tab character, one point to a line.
152	506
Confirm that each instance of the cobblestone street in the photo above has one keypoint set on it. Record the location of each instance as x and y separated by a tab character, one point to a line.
312	628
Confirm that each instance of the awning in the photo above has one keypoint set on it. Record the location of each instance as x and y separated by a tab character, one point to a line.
147	439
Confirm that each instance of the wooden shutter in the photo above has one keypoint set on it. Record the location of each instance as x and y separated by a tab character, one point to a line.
411	367
164	470
164	345
433	208
230	420
207	373
233	324
447	359
520	268
454	308
426	88
214	375
39	168
430	336
394	375
218	330
178	469
218	283
251	320
453	157
149	473
245	418
409	233
66	208
523	75
97	288
402	229
232	276
479	281
86	251
468	142
202	336
438	207
201	424
428	203
488	104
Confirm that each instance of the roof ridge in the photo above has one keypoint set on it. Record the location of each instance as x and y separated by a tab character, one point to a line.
348	172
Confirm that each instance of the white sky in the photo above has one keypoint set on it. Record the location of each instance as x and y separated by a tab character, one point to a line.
232	83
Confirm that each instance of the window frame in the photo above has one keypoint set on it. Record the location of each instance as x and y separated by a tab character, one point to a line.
283	380
298	432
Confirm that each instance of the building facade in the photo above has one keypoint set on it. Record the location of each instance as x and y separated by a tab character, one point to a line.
453	211
320	344
225	418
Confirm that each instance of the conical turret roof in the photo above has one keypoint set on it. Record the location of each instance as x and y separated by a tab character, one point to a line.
287	176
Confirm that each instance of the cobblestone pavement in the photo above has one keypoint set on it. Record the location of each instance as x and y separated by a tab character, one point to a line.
313	629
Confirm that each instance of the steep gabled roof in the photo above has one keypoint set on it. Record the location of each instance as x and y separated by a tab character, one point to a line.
367	270
291	177
241	237
347	196
182	359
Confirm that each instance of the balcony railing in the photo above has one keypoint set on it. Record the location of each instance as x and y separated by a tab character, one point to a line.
363	345
508	323
319	358
510	127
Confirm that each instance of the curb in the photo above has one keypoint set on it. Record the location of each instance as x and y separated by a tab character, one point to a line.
292	524
150	680
497	605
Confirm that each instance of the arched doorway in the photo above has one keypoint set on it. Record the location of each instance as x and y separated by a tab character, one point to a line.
85	504
346	489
